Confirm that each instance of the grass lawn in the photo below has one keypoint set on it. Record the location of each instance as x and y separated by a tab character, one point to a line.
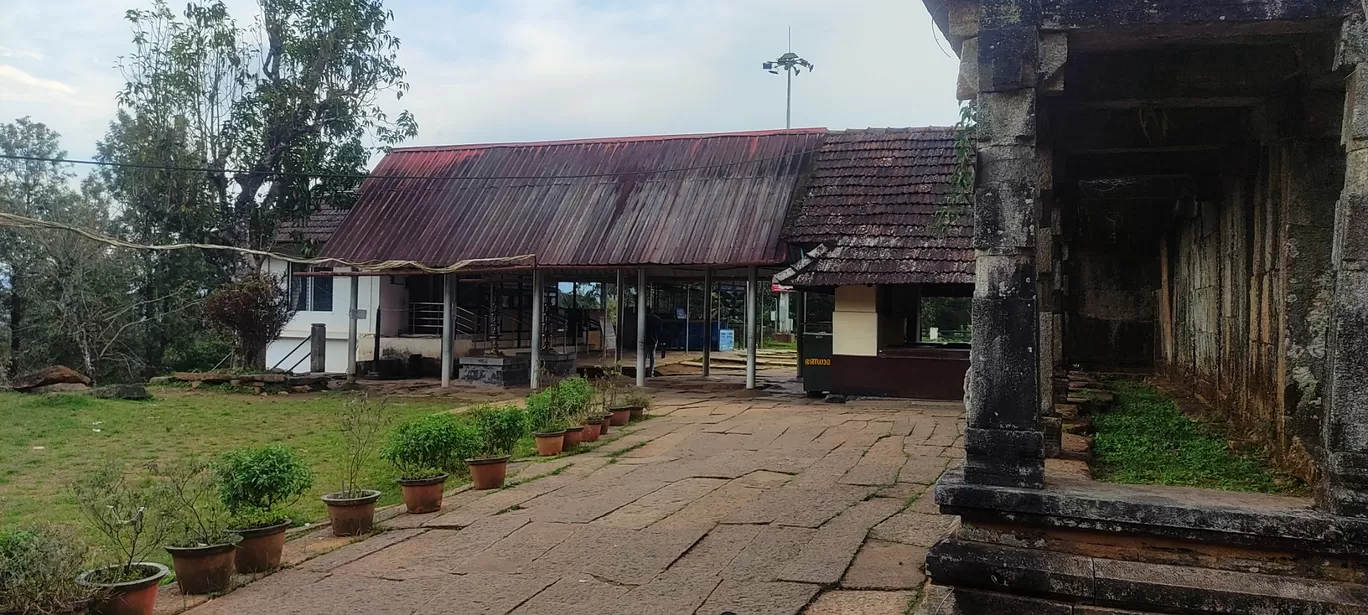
45	441
1145	439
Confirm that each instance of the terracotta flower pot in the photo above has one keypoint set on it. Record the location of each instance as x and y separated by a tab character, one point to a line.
573	437
260	548
607	420
621	416
488	473
637	413
203	570
550	443
592	430
423	495
352	515
136	597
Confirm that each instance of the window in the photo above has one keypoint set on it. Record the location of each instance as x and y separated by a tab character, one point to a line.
945	320
312	294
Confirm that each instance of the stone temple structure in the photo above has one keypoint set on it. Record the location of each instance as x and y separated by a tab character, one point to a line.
1177	187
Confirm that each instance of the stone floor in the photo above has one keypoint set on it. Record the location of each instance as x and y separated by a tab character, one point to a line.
725	501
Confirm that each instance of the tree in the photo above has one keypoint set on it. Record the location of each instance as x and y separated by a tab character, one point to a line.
28	188
253	310
280	127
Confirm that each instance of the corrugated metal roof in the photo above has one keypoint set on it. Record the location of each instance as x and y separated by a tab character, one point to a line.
714	199
872	201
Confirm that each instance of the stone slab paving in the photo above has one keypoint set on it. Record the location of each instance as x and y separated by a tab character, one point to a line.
724	502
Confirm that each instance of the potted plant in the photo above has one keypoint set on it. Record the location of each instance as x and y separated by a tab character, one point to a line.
573	398
500	428
201	547
426	451
129	517
637	402
352	509
255	484
610	393
547	428
38	570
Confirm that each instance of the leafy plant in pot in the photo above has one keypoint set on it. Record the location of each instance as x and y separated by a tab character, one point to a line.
130	517
548	428
610	393
638	402
201	547
572	400
38	570
426	451
500	428
255	485
352	509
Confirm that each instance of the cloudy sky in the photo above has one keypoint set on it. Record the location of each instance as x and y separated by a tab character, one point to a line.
519	70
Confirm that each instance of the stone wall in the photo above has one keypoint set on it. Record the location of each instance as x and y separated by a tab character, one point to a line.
1243	276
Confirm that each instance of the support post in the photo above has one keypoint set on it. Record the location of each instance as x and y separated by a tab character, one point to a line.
641	328
448	326
752	295
1003	441
537	309
318	348
354	294
620	317
707	322
1345	422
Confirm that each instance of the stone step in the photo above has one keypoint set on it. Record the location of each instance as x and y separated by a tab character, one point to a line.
1145	587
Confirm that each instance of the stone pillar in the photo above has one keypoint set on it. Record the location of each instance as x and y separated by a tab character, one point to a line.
707	322
448	326
1003	442
538	289
318	348
619	318
1345	423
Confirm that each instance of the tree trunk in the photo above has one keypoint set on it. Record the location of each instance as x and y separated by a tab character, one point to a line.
16	321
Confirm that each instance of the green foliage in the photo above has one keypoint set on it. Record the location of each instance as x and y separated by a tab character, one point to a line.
363	423
38	569
131	515
960	194
191	492
543	414
573	400
254	483
431	445
609	388
253	310
1145	439
500	428
952	315
637	398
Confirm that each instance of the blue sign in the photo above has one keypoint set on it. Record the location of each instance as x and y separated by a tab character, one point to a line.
726	340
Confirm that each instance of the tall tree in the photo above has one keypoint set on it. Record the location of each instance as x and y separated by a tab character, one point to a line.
32	188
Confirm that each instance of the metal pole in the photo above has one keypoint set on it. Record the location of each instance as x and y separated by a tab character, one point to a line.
641	328
537	309
707	322
351	328
448	300
686	319
788	104
751	296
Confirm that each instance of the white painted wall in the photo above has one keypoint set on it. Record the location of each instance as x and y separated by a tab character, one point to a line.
855	321
284	349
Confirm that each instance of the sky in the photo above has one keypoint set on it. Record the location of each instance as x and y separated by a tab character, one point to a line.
533	70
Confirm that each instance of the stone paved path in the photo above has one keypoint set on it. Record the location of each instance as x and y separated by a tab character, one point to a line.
755	505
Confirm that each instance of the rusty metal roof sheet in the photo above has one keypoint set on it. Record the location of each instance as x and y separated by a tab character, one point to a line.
871	202
712	199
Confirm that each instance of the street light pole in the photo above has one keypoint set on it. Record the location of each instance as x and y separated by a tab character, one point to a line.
791	64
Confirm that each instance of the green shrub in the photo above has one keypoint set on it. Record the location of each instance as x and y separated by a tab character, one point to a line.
638	398
38	569
199	517
431	445
254	483
543	415
500	428
129	514
573	399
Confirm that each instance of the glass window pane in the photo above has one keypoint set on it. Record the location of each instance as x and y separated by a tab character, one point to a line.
323	293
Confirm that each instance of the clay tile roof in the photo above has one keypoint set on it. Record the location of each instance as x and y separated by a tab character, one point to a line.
870	205
317	229
712	199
